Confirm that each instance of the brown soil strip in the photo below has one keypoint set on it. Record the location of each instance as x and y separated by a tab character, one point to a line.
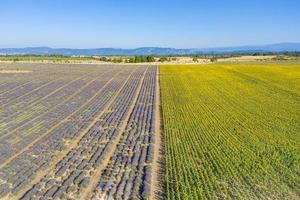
88	192
157	182
14	71
72	144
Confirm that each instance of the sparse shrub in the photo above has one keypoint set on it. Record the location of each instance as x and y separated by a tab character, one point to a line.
213	59
195	59
163	59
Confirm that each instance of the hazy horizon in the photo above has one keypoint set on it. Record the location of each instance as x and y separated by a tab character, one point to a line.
246	45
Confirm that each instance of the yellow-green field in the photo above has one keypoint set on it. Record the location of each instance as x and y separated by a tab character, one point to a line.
231	131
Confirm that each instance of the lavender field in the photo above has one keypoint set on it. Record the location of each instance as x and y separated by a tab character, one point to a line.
77	131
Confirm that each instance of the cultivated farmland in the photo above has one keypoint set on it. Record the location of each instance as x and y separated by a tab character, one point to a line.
77	131
231	131
210	131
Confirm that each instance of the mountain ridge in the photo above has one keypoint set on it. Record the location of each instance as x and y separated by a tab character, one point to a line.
277	47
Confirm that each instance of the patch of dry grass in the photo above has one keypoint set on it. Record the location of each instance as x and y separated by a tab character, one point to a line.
14	71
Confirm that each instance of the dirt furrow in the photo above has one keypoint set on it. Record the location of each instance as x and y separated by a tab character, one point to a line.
157	182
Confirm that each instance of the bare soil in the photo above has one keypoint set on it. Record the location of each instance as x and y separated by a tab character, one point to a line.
14	71
158	186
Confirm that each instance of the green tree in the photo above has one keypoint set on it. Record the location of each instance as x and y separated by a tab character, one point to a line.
137	59
150	58
104	59
131	60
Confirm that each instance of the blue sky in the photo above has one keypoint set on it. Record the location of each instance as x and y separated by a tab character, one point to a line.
137	23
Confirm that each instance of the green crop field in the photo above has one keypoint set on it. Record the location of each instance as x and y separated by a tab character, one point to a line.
231	131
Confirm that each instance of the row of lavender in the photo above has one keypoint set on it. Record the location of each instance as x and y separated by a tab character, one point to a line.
40	98
128	174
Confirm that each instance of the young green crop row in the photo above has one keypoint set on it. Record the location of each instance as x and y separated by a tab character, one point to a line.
231	132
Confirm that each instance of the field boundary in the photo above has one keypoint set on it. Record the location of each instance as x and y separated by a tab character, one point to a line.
158	169
15	71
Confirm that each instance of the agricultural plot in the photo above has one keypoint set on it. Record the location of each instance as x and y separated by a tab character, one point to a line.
93	132
77	132
231	131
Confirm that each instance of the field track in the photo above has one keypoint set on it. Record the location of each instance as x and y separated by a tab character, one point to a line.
157	191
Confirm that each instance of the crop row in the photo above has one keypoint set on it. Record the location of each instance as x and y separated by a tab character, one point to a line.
22	90
128	174
36	101
54	99
8	86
